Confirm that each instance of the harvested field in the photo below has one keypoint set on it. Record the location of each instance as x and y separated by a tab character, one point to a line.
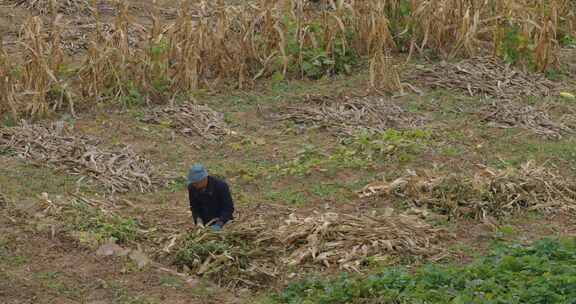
118	170
511	114
490	192
346	116
297	105
191	120
485	77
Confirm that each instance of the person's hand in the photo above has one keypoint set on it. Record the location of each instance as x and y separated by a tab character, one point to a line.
216	227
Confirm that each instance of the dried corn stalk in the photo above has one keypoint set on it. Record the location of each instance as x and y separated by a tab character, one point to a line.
485	77
347	116
119	170
191	120
509	114
489	192
346	241
243	254
255	250
76	38
43	7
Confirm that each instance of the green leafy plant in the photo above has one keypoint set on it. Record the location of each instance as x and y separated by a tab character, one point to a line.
292	197
102	226
192	250
316	60
368	146
568	41
305	161
544	272
515	47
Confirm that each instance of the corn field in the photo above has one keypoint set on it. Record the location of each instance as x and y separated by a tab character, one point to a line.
210	45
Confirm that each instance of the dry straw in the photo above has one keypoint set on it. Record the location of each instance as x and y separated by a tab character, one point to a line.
488	193
191	120
118	170
347	116
255	252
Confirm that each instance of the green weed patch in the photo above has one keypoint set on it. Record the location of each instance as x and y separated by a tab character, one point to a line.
94	225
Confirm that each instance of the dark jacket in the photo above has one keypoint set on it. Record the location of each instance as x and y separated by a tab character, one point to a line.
213	203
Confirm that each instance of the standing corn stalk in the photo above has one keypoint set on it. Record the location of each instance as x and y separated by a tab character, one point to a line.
384	74
39	77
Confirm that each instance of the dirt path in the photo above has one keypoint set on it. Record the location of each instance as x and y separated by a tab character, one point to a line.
38	268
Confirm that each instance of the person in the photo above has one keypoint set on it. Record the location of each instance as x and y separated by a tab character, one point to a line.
210	199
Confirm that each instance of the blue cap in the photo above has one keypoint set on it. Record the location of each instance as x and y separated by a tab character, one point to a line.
196	174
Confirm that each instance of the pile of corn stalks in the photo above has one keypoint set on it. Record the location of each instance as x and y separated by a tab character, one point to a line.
254	251
489	193
239	256
119	170
346	241
510	114
43	7
191	120
485	77
346	116
76	38
245	253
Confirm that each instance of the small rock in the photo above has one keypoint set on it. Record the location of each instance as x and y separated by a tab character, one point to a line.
112	249
186	269
388	212
139	258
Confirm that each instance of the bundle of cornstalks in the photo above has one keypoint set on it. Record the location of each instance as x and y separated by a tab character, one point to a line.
485	77
76	38
490	192
191	120
510	114
255	251
119	170
243	254
346	241
43	7
348	115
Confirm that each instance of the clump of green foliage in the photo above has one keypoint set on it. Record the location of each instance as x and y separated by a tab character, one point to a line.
222	257
568	41
308	158
359	151
193	250
101	226
515	48
367	147
316	60
544	272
